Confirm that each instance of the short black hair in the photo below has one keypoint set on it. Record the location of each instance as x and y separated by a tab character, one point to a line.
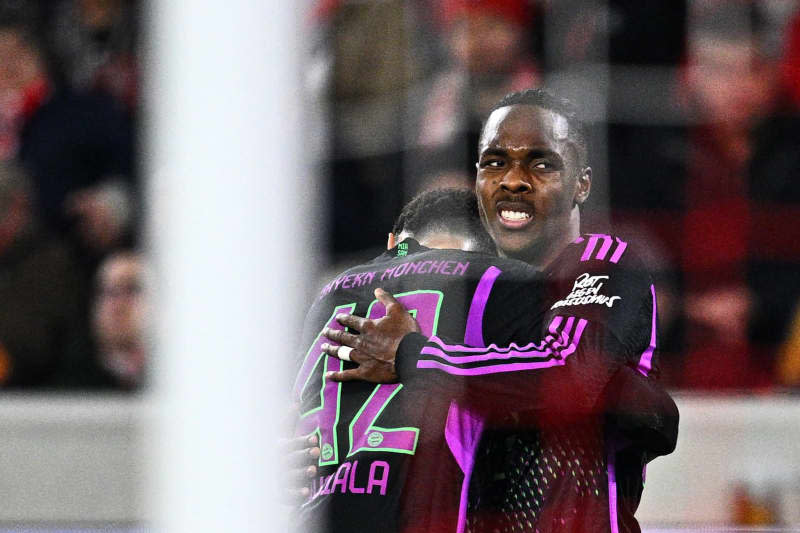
546	100
453	211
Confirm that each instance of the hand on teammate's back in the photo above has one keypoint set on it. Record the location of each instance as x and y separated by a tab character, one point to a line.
301	454
375	347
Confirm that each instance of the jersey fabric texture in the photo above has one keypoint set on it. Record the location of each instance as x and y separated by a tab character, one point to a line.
396	457
589	426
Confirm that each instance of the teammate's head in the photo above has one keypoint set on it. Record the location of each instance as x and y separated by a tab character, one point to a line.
532	175
443	218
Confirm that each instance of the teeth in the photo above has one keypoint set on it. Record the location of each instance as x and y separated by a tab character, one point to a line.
514	215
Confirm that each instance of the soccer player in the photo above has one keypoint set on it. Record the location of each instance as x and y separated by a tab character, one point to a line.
404	453
533	178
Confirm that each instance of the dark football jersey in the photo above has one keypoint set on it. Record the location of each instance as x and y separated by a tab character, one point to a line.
398	457
581	469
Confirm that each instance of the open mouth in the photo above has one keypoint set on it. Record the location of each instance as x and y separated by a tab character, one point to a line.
514	214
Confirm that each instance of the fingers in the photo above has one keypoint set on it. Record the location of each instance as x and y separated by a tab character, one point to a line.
341	337
303	458
296	496
297	481
345	353
385	298
352	321
298	443
389	303
302	454
348	375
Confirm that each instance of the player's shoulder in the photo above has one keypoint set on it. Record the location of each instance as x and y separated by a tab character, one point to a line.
606	251
606	260
604	277
344	282
454	263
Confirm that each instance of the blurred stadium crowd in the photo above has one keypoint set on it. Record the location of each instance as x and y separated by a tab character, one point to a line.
72	310
694	109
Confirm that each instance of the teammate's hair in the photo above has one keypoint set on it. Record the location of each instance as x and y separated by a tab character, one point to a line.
451	211
547	100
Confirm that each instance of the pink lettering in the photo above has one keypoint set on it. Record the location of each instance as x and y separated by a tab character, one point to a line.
400	270
445	268
343	469
352	486
326	487
461	269
327	288
381	482
387	273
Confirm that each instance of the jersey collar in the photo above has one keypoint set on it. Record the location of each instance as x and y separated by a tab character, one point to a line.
406	247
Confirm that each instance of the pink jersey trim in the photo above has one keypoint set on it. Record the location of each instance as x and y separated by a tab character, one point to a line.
612	494
462	433
646	360
474	331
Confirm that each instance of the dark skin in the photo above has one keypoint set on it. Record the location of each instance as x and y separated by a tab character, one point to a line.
300	452
375	348
530	184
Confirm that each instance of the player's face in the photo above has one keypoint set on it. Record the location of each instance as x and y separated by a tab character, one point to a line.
529	184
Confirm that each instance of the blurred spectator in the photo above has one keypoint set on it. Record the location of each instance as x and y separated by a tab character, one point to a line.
789	355
720	193
120	313
731	90
77	148
739	260
44	338
94	45
790	66
370	55
715	182
488	55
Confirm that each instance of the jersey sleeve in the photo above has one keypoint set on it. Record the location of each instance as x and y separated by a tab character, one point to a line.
642	412
601	278
560	376
527	366
546	362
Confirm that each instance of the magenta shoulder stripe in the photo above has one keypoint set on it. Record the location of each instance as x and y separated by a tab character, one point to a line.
607	242
473	335
621	246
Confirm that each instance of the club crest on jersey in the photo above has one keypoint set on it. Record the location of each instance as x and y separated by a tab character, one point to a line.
586	290
374	439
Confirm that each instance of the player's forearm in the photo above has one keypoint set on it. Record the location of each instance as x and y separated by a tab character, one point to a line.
561	374
643	412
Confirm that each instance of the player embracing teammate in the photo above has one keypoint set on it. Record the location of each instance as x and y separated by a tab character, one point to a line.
561	356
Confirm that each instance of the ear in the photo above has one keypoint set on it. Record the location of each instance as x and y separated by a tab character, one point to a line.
391	242
583	186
